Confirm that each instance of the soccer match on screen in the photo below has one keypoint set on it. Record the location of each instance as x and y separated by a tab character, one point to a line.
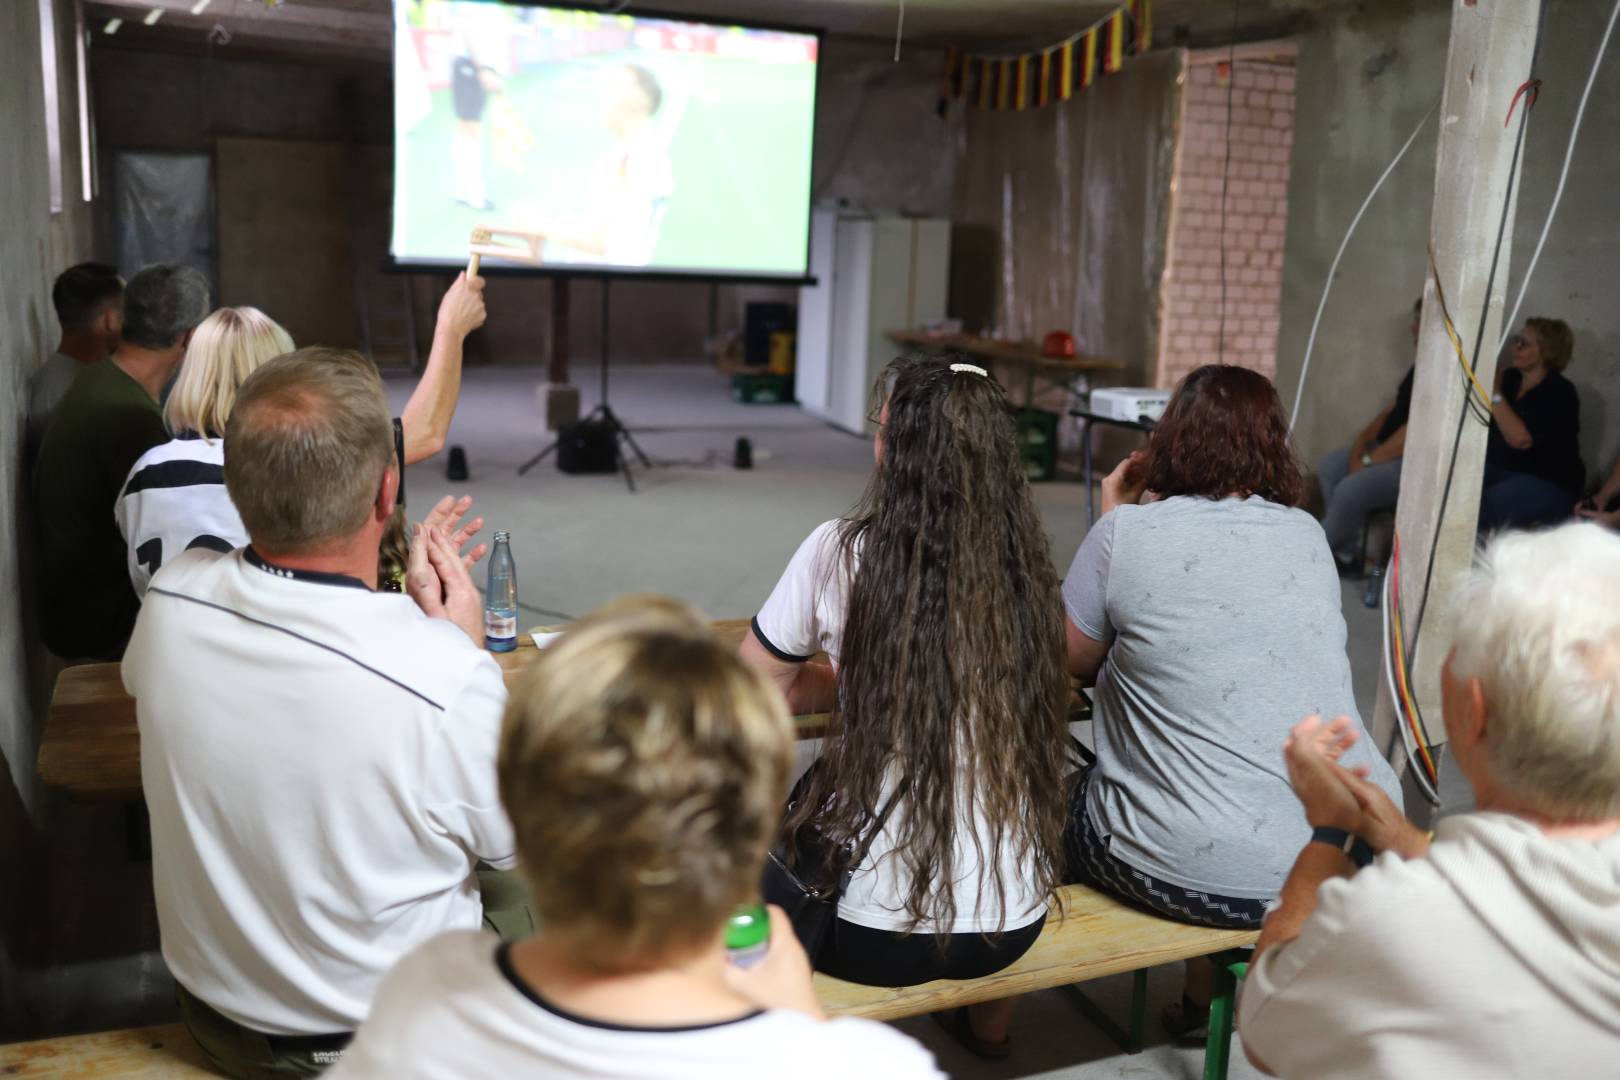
601	140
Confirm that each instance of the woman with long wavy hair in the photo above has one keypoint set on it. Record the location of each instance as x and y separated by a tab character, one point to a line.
1206	607
938	605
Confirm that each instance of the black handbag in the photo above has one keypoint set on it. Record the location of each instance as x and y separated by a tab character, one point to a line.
812	905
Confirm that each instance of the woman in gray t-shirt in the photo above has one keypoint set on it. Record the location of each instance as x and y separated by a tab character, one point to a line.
1208	614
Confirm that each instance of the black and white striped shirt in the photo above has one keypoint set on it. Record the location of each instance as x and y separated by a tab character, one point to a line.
173	501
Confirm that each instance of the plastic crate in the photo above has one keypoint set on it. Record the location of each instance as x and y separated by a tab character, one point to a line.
762	389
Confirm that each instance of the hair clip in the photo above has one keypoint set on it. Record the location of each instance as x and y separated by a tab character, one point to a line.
976	369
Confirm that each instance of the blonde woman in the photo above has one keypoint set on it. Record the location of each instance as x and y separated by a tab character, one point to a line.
174	498
643	765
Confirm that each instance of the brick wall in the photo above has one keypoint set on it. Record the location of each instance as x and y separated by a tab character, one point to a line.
1262	131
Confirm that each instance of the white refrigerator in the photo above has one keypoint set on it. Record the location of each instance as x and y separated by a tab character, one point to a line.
873	274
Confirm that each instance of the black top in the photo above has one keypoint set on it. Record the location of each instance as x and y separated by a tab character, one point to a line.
467	94
1398	415
106	421
1552	411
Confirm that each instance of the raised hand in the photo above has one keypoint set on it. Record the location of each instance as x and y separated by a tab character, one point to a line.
462	309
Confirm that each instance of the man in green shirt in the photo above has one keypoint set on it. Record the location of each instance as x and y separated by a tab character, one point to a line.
106	421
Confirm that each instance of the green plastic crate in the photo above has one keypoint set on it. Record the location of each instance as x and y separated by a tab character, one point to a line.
763	389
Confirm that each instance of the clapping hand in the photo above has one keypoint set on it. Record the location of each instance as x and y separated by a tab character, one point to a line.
1312	754
1126	484
437	579
447	515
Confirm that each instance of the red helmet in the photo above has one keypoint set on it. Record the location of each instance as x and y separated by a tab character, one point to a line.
1059	343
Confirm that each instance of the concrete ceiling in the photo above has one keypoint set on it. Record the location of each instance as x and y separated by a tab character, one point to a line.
361	27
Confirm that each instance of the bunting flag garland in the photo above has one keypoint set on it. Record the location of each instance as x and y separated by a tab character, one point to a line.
1026	81
1114	56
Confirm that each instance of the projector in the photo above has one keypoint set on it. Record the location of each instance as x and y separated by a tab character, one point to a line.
1129	403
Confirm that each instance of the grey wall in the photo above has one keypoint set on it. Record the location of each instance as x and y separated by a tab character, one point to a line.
1365	78
877	144
34	246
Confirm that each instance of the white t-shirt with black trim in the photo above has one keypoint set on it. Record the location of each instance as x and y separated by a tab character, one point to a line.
175	500
319	764
455	1008
805	615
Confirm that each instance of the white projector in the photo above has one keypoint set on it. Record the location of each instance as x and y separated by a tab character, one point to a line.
1130	404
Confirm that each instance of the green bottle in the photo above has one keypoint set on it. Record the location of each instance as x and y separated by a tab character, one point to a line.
748	935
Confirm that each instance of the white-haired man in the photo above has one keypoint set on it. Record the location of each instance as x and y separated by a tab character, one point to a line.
318	757
1493	951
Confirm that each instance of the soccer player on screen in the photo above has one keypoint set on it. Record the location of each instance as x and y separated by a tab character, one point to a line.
471	85
631	185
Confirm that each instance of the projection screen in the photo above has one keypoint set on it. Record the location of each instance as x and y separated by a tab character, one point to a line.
608	142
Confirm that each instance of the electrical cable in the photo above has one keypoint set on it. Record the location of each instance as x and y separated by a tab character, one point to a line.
1226	168
1327	286
1563	173
1390	660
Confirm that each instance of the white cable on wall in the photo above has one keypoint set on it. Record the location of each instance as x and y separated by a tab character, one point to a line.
1509	323
1327	286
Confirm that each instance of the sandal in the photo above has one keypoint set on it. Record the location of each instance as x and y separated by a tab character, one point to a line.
957	1026
1186	1020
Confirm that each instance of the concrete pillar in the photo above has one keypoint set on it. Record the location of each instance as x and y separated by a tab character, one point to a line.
1489	57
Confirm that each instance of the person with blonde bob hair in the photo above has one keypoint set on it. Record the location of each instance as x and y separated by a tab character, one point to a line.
174	498
1409	965
643	766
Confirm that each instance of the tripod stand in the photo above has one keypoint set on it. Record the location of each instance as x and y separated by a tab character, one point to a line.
603	412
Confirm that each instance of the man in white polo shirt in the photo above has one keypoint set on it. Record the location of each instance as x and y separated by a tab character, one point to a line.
318	757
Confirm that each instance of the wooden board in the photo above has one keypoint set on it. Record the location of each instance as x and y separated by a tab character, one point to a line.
167	1051
1096	936
92	748
1014	352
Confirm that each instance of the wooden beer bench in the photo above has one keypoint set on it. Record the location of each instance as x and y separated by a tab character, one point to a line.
1096	936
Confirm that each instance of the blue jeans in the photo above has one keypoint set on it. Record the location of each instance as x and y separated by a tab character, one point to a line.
1519	500
1351	497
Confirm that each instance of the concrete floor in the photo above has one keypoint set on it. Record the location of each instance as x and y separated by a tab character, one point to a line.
697	529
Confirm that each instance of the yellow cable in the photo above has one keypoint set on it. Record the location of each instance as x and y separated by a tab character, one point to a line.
1451	332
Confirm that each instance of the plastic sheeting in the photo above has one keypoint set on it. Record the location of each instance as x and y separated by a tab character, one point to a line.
1066	209
164	210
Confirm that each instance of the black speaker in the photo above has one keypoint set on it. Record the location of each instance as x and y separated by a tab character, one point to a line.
590	446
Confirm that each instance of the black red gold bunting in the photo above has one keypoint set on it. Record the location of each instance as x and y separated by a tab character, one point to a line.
1036	79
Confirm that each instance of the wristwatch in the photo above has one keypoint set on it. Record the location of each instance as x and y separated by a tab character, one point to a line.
1354	847
1497	398
1366	460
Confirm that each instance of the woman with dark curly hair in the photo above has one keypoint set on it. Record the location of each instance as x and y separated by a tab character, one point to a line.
939	607
1206	607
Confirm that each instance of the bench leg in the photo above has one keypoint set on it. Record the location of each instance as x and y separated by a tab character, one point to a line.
1129	1041
1229	967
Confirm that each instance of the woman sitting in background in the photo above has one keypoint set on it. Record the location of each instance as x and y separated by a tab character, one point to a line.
1209	618
938	604
643	766
174	498
1533	459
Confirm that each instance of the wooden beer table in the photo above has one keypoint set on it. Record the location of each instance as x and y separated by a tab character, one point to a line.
92	749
